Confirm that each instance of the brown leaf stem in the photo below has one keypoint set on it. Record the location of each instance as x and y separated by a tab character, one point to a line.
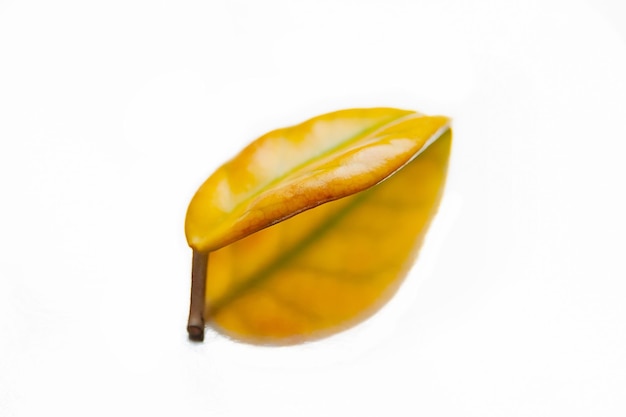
195	325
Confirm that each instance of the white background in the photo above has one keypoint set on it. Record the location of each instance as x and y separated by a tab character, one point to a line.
112	113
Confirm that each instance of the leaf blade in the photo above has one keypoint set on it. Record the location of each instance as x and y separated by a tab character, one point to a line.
284	297
265	184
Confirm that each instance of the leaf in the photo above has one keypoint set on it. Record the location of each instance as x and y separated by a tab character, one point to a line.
311	228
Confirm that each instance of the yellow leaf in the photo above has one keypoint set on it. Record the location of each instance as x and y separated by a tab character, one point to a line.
311	228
